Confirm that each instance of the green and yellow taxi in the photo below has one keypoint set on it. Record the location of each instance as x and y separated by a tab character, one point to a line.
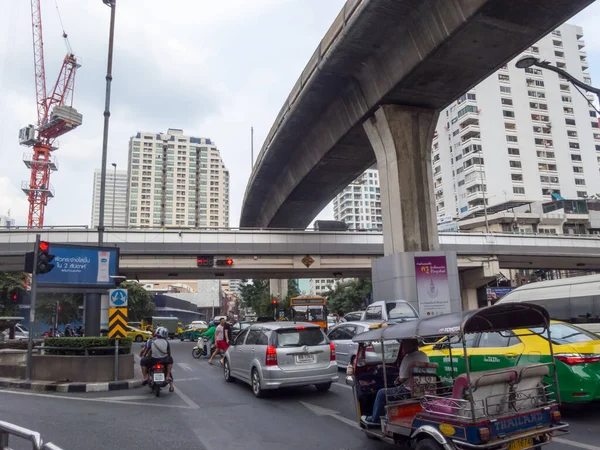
138	335
577	354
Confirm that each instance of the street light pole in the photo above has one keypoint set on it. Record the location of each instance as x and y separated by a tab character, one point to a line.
112	4
528	61
112	224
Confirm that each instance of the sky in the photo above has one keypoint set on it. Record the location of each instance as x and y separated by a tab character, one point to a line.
211	68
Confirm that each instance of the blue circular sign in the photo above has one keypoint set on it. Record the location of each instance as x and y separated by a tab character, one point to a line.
118	297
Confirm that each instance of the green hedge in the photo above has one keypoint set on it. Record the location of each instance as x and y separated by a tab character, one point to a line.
86	342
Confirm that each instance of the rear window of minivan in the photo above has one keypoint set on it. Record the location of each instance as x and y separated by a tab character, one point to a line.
298	337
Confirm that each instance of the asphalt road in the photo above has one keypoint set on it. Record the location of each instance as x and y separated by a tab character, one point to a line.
205	413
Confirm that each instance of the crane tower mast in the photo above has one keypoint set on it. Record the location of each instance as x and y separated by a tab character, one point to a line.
54	118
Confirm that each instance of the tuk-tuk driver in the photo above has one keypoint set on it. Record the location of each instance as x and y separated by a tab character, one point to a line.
409	353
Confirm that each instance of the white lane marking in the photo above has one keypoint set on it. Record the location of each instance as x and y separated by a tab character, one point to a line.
575	444
320	411
185	366
179	380
114	400
191	404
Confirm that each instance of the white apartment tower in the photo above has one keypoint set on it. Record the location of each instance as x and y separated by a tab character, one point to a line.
359	204
520	135
176	181
115	194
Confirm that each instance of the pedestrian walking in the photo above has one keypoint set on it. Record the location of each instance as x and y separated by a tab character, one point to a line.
220	339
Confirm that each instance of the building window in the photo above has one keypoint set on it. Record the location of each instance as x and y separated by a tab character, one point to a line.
518	190
505	89
515	164
516	176
503	77
575	157
513	151
579	181
566	98
506	101
570	121
506	113
577	169
511	138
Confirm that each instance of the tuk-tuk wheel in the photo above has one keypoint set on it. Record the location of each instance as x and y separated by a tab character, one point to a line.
428	444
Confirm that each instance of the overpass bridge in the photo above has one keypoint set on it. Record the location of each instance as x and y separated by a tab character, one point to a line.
371	92
259	253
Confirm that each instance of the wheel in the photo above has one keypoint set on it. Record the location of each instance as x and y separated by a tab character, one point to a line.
196	353
227	372
181	338
139	338
323	387
428	444
256	387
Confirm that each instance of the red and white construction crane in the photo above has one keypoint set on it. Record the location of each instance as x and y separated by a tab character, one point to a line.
54	118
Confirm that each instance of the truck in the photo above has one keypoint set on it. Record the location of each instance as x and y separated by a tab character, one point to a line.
172	324
390	311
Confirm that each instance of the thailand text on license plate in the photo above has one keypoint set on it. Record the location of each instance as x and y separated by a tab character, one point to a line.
305	359
159	377
520	444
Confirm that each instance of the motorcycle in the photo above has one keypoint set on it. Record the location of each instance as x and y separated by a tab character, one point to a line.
157	377
200	349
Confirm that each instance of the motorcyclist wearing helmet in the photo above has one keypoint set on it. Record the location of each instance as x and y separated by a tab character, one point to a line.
159	351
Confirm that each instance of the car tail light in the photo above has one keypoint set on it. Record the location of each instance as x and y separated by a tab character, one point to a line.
573	359
158	366
300	327
484	433
331	352
555	415
271	356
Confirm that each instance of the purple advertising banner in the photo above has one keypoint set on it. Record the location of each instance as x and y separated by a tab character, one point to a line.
431	273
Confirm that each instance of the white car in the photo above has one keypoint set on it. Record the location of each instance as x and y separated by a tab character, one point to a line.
21	333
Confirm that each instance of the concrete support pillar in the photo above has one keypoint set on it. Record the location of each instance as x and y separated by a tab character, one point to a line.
475	278
401	138
278	288
92	308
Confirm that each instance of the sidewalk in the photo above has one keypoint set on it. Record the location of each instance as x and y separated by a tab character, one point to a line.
54	386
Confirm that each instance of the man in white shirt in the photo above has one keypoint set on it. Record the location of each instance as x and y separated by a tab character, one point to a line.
410	353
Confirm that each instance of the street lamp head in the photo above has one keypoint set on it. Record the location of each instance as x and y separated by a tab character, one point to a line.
109	3
526	61
114	165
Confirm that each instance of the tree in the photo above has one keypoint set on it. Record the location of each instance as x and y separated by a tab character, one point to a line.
68	307
348	296
256	295
139	301
11	282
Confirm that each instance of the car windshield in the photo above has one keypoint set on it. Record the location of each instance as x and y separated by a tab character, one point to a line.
298	337
400	310
566	334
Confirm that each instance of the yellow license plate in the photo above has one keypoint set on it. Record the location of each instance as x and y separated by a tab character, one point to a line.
520	444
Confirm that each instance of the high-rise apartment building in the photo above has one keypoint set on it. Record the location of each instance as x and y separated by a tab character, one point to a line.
320	286
176	181
520	135
115	194
359	204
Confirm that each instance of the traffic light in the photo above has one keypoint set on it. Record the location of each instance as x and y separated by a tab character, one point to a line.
206	261
44	258
274	302
15	296
224	262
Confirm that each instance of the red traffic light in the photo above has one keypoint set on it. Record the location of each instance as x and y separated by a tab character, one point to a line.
44	246
59	308
274	301
229	262
15	297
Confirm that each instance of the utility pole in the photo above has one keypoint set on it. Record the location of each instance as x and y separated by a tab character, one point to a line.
32	306
112	224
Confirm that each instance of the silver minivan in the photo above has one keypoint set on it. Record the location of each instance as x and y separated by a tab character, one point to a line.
277	354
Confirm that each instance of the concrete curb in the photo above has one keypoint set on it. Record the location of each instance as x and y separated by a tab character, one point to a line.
69	387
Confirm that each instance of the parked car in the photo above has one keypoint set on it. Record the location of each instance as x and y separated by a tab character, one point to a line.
345	349
273	355
138	335
390	311
577	354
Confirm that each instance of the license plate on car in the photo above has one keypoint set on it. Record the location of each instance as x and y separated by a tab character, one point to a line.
305	359
159	377
520	444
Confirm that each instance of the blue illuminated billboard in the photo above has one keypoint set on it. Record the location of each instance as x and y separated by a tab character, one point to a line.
81	266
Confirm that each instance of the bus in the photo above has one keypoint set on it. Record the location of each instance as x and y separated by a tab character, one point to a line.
575	300
312	308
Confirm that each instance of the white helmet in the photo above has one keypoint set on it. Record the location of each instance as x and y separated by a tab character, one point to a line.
162	332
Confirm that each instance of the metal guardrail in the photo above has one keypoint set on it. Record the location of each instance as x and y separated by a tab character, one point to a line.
8	429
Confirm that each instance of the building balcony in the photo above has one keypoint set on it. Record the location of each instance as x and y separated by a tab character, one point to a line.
471	140
470	131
